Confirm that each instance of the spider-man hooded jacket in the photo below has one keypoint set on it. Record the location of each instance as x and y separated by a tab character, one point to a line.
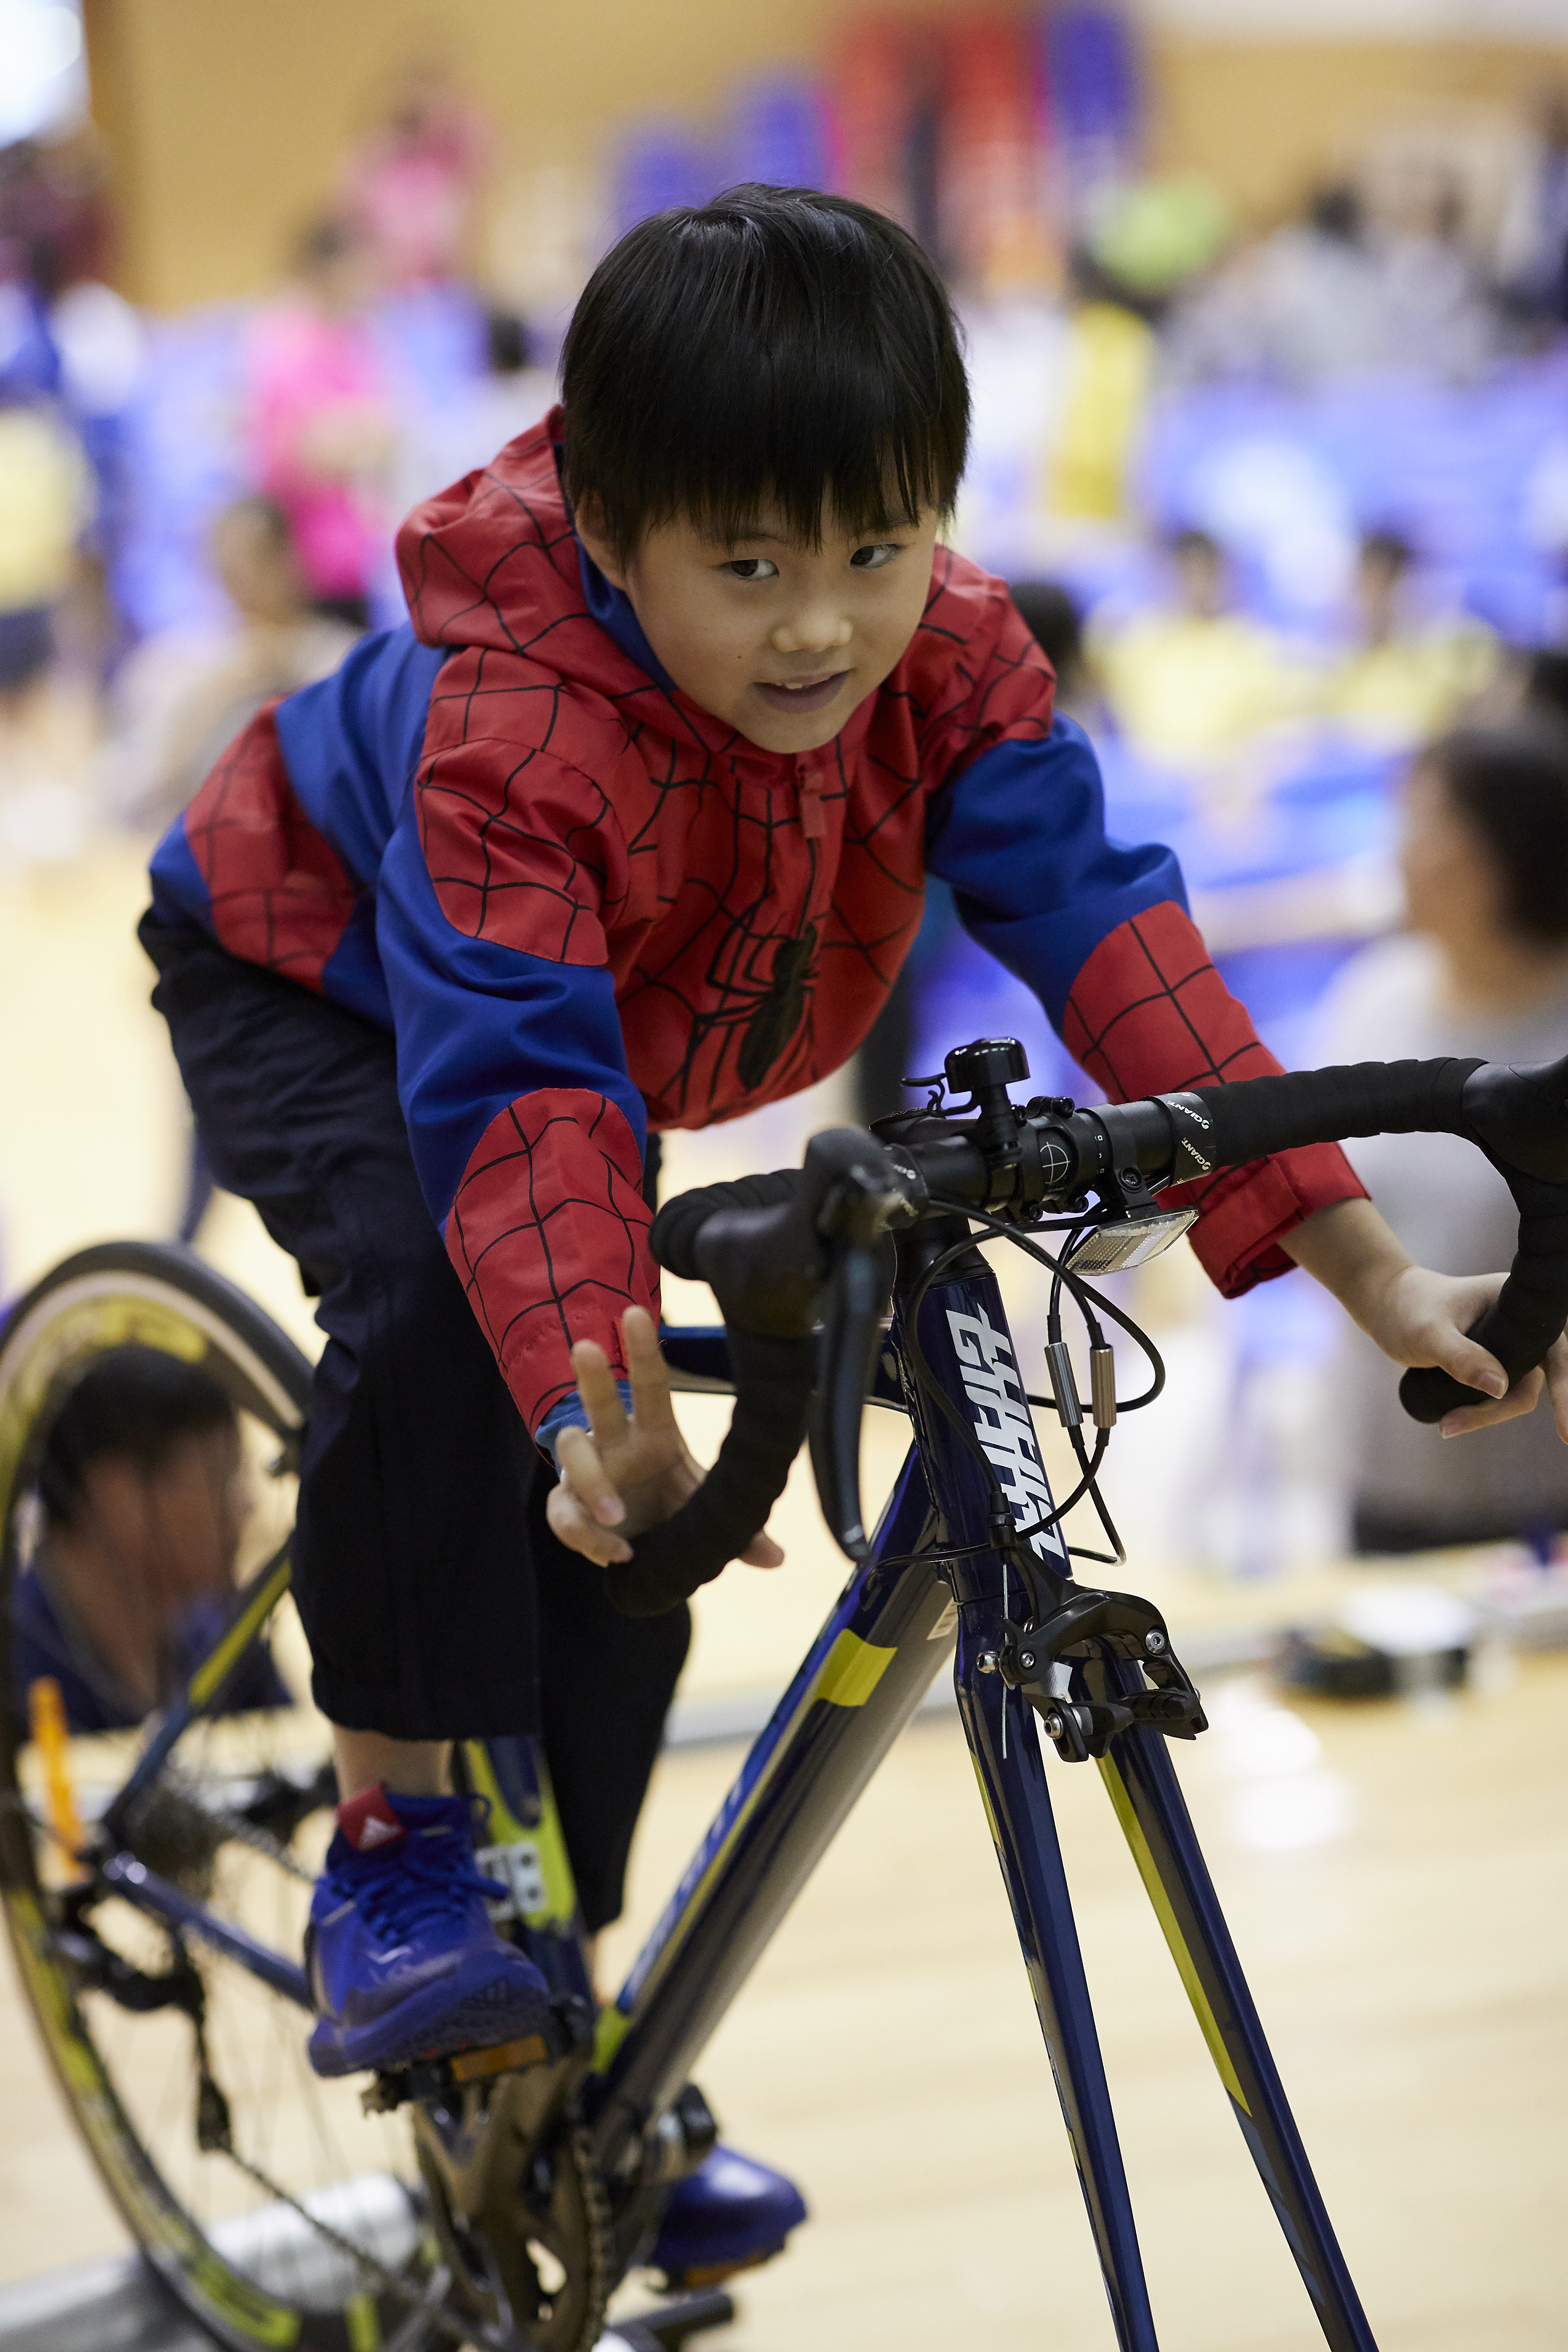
585	906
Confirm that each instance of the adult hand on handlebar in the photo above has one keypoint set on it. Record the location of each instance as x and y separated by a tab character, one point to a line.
1420	1318
627	1471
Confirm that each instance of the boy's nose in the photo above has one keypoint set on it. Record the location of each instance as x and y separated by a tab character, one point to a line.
812	629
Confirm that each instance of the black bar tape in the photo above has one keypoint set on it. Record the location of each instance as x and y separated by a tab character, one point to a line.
1527	1315
678	1222
773	1381
1226	1127
1505	1111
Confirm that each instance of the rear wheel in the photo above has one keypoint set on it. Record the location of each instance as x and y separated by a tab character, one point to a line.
275	2210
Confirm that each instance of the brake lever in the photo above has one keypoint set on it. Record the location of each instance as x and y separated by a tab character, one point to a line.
851	1223
855	1301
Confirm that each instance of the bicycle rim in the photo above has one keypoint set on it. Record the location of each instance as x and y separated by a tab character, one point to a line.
312	2231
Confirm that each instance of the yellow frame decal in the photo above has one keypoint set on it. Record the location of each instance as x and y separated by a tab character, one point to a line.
559	1888
852	1671
1133	1830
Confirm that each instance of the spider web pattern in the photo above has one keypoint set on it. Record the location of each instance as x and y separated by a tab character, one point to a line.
281	896
573	809
549	1235
1148	1005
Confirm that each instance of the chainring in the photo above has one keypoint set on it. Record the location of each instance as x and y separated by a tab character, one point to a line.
536	2255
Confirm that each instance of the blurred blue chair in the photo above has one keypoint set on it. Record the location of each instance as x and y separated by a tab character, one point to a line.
777	133
659	166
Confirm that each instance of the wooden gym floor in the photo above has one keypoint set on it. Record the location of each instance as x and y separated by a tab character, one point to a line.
1396	1876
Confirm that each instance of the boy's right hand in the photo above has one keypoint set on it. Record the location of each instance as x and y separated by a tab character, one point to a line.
627	1471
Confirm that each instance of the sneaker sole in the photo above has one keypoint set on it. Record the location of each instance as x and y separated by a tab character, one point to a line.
433	2025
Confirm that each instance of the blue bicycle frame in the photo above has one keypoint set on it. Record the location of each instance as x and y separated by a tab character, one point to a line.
931	1581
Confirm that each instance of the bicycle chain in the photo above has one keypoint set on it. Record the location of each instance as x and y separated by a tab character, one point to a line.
452	2324
448	2323
576	2145
249	1833
600	2239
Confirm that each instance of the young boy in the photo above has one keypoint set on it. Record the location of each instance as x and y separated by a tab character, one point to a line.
629	830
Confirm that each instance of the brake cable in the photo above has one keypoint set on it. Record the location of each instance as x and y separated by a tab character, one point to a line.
933	1388
928	1381
1085	1298
1082	1289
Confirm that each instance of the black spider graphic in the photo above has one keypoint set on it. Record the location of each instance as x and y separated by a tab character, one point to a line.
778	1016
757	1000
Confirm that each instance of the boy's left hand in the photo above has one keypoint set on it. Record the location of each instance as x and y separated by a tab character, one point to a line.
626	1471
1420	1318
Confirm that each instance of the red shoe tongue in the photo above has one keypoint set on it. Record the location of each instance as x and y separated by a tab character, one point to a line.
368	1820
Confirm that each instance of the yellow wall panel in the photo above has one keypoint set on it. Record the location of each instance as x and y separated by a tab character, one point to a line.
229	116
1265	120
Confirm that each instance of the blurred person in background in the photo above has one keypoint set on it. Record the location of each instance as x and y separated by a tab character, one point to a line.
73	338
46	500
1439	312
1367	281
412	188
1481	968
142	1504
185	694
320	417
1050	614
1303	307
1108	365
1543	680
1194	680
474	423
1533	243
1405	677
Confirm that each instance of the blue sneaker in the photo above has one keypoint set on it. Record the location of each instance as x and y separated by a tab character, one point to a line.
729	2215
403	1960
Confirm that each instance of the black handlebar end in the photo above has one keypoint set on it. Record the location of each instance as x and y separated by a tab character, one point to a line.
1428	1393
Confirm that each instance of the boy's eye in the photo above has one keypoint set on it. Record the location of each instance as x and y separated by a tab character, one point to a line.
751	567
874	558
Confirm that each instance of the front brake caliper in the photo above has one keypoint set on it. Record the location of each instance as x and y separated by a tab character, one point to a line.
1094	1635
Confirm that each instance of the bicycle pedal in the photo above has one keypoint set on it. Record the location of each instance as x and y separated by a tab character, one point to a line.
571	2028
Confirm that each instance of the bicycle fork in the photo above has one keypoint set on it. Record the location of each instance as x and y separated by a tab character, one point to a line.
964	1338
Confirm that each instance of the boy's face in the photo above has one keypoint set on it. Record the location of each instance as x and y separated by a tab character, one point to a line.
777	639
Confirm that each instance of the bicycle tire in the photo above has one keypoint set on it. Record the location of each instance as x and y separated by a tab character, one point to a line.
255	2274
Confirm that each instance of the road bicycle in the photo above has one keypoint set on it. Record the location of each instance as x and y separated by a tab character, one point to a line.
155	1879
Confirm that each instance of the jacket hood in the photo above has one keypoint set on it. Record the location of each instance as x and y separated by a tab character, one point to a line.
494	562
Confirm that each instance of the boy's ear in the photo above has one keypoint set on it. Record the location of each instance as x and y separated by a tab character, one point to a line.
591	532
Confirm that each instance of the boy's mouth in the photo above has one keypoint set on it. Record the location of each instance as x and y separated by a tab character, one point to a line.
811	694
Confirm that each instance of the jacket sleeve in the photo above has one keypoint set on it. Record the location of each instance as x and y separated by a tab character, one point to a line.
527	1132
1099	931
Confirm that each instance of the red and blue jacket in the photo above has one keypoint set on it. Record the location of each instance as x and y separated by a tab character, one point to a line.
587	908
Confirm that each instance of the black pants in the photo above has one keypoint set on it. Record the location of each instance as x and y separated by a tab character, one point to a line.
437	1603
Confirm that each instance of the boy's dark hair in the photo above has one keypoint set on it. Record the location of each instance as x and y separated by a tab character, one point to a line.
1511	785
777	345
136	1403
1190	540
